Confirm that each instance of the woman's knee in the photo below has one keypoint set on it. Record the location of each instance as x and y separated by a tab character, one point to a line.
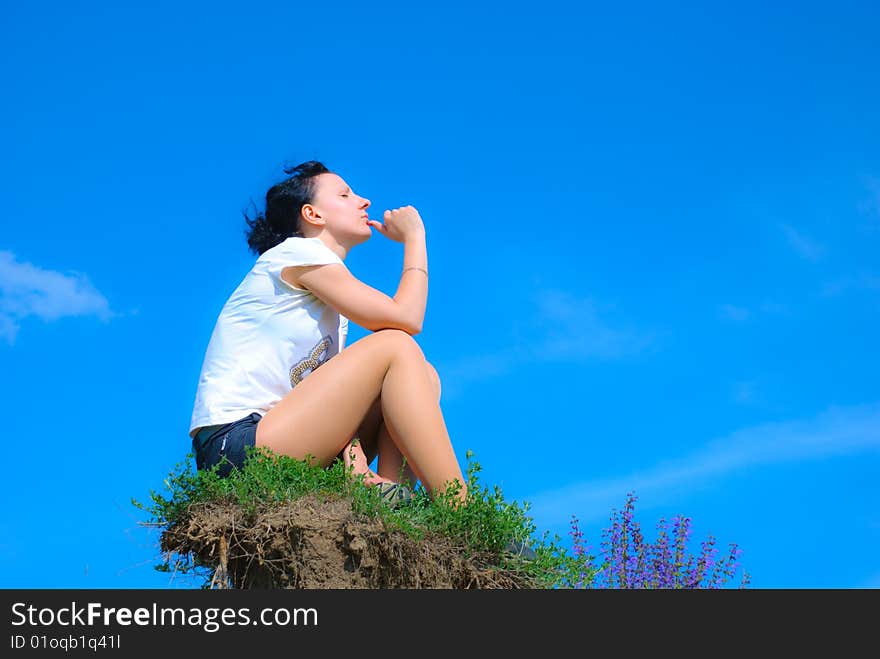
398	341
401	341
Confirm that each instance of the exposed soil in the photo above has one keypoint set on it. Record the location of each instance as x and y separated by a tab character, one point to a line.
312	543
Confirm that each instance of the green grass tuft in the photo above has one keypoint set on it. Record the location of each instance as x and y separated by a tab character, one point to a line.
487	524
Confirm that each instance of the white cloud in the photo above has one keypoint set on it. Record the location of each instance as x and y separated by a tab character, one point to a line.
872	581
768	306
27	290
562	328
740	314
871	206
744	392
573	330
865	281
734	313
804	246
836	431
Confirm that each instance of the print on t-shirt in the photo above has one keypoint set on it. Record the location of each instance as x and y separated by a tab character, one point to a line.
317	356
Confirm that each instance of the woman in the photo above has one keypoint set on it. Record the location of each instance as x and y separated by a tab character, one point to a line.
277	373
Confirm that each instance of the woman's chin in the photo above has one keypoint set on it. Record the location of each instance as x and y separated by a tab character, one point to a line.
362	237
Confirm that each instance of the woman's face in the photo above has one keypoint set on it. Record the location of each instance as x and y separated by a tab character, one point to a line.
344	212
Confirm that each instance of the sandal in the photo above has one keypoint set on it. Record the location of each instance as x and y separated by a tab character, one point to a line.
394	493
521	549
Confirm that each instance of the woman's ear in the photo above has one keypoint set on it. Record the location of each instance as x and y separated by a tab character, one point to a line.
310	214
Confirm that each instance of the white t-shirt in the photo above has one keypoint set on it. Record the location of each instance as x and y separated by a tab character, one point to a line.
268	337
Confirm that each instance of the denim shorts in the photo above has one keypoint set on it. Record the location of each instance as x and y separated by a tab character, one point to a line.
212	443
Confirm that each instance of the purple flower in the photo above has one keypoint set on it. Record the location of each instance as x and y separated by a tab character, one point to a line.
628	561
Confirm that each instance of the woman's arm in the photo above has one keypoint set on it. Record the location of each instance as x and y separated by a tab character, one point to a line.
365	305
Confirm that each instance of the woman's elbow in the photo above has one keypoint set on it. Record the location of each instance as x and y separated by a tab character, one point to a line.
410	328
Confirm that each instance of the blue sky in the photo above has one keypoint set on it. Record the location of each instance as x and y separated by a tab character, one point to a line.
653	240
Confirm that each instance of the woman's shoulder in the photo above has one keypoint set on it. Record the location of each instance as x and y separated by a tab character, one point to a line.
291	243
295	245
306	251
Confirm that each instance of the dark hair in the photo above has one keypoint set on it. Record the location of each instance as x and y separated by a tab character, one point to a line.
284	202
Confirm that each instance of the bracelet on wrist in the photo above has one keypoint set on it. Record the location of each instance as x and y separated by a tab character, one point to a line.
415	268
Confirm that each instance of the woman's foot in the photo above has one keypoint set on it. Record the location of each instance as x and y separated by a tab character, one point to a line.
353	456
372	478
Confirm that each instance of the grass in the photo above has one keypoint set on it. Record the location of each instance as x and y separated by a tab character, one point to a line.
486	524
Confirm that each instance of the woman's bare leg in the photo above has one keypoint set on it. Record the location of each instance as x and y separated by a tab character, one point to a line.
392	464
361	450
357	462
372	438
324	410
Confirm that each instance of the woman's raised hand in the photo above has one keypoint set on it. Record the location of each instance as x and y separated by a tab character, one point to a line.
400	224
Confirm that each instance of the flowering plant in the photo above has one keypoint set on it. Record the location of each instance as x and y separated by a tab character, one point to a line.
630	562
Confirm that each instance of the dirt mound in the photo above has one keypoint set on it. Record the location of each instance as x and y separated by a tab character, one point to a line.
312	543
